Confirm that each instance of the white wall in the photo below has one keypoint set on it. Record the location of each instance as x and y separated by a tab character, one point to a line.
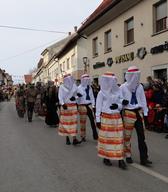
143	35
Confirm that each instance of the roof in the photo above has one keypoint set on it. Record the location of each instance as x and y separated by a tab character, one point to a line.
28	78
56	47
40	63
74	38
61	46
2	71
101	9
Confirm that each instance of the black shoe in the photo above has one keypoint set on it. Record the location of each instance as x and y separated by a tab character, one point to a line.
95	136
68	141
76	142
166	137
83	139
107	162
30	120
52	126
129	160
122	164
146	163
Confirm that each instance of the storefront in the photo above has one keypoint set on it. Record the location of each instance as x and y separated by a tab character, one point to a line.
160	72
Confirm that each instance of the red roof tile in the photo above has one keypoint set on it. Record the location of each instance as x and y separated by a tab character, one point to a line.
28	78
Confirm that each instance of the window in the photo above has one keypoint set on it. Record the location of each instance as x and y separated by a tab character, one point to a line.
95	47
63	66
160	16
129	31
107	41
68	63
73	60
160	74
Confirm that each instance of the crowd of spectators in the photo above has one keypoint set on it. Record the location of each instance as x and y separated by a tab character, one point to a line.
156	92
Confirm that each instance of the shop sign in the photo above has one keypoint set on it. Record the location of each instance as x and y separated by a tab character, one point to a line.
125	58
110	61
99	65
141	53
159	48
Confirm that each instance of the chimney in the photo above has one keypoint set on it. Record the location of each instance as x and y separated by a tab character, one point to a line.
69	33
75	28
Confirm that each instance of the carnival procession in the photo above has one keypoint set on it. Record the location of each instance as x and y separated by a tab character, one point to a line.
114	111
84	108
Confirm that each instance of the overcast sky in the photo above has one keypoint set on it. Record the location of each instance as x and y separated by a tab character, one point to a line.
41	14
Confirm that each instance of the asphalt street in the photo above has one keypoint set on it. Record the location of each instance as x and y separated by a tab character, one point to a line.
33	158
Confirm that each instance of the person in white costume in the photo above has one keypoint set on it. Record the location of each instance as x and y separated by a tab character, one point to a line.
86	104
68	111
109	121
133	114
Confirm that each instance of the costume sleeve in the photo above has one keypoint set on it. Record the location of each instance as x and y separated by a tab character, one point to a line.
119	106
78	91
120	100
143	101
60	96
92	97
99	103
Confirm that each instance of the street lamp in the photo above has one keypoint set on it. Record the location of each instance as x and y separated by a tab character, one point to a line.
56	78
86	64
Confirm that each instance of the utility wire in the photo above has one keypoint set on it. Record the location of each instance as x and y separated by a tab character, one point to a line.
31	29
28	51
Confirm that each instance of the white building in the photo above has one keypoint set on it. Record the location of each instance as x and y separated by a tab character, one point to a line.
122	33
65	56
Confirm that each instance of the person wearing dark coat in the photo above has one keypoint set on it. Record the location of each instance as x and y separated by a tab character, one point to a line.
51	102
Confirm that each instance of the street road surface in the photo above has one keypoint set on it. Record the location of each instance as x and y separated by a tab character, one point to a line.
33	158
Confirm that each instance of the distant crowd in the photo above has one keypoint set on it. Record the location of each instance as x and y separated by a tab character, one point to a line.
6	92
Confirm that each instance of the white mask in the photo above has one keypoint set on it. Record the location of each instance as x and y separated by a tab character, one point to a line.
68	82
114	84
133	80
105	84
85	82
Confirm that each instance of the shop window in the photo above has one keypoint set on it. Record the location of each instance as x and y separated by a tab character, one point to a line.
160	16
129	31
124	77
160	74
107	41
95	47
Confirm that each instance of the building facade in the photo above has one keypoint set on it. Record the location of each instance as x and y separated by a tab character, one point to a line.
63	57
70	59
5	78
124	33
